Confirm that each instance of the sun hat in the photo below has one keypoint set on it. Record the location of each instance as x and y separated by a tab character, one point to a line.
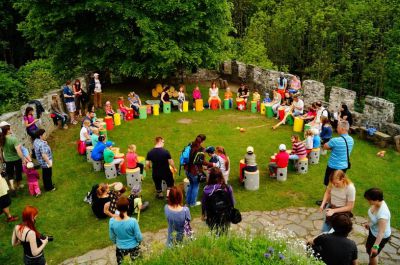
250	149
29	165
4	123
282	147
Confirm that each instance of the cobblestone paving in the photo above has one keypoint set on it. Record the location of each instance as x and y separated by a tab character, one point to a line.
304	222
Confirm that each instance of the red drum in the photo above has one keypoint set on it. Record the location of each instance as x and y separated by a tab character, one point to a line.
241	166
81	147
109	123
214	104
281	112
129	114
241	104
123	165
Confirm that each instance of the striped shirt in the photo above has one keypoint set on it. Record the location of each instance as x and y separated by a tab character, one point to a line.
299	149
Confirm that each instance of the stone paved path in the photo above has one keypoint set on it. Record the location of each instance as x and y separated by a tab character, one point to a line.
304	222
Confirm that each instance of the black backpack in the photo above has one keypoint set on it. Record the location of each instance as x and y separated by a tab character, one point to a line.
219	204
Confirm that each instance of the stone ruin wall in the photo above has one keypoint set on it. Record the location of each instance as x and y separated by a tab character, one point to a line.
377	111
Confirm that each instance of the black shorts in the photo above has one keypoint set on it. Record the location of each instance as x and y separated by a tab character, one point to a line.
5	201
371	240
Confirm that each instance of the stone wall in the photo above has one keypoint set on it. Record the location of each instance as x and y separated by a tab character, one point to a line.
378	109
338	96
313	91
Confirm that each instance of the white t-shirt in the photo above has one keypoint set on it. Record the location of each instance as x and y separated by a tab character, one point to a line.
382	213
299	105
321	113
309	142
82	134
340	196
214	92
97	86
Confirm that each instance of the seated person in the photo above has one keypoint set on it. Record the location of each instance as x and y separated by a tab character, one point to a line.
310	115
295	85
109	110
336	248
100	200
316	138
135	201
213	95
109	158
98	150
276	101
84	135
91	117
243	92
59	115
132	159
281	161
298	106
121	106
326	130
95	136
250	160
164	96
256	96
308	142
196	94
228	95
134	101
298	149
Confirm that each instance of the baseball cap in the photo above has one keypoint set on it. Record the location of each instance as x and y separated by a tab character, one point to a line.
210	149
4	123
250	149
282	147
118	186
29	165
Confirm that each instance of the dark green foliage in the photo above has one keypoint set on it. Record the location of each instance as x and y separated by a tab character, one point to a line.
12	91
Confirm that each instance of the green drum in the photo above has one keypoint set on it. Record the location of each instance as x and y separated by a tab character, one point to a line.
269	112
307	127
103	132
289	120
143	112
226	104
167	107
254	107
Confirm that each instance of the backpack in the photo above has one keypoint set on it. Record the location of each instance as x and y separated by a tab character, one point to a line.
199	158
219	204
185	156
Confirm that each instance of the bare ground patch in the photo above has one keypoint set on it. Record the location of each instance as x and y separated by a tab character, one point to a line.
185	121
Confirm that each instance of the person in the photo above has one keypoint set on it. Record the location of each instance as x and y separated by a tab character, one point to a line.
29	237
281	84
114	194
215	160
84	134
276	102
220	151
78	94
69	100
181	97
336	248
345	115
160	160
228	95
326	130
101	200
321	112
193	170
311	113
125	232
308	142
32	176
316	138
213	95
12	156
134	101
45	158
295	85
176	215
298	149
164	96
30	122
256	96
5	200
196	94
108	109
217	202
298	106
94	138
98	150
121	106
281	161
136	204
59	115
341	148
132	159
97	91
243	92
109	157
379	225
91	116
339	197
250	160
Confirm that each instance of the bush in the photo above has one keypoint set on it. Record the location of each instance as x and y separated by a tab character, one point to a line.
12	91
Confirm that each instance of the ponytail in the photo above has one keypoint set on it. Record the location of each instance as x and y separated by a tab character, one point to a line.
122	205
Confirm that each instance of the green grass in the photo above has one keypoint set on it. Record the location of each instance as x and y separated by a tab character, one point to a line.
76	230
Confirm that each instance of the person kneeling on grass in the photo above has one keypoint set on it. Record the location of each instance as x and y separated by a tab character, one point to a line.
281	161
109	158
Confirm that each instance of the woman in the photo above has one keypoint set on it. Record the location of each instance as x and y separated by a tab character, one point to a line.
276	101
339	197
69	100
164	96
5	201
134	101
295	85
45	157
101	201
217	202
299	150
30	122
125	232
379	226
12	155
193	170
220	151
326	130
79	100
97	91
213	95
27	235
345	114
176	216
59	115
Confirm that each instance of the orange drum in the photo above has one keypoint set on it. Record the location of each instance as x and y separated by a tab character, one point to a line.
241	104
123	165
241	166
129	114
214	104
109	123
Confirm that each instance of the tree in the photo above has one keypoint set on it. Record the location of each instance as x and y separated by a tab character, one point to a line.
141	38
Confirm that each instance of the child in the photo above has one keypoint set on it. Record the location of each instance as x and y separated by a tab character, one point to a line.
250	160
196	95
95	136
309	140
298	149
220	151
109	110
326	130
32	175
310	115
122	108
281	161
181	97
228	95
316	138
109	157
84	135
135	199
256	96
132	160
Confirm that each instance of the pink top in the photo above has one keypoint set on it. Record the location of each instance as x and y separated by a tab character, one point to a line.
131	160
196	94
109	110
121	105
31	174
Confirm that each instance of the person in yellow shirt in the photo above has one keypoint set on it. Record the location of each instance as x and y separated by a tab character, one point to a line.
228	95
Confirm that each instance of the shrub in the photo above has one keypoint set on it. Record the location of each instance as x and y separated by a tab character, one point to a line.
12	91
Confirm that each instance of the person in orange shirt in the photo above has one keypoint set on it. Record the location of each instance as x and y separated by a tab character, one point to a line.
228	95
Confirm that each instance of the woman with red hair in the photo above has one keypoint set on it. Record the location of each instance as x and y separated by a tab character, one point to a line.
27	235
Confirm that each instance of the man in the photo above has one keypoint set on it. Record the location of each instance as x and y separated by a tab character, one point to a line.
298	106
160	160
243	92
336	248
90	117
45	157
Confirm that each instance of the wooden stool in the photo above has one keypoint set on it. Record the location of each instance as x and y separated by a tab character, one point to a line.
251	180
314	156
89	150
97	165
281	174
110	170
133	177
302	165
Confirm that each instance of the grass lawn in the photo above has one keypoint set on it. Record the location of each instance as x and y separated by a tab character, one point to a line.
76	231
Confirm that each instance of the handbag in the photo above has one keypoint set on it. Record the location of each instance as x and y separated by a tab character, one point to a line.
235	216
347	152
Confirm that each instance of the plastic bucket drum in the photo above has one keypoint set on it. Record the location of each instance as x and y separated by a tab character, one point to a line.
129	114
226	103
117	119
167	107
262	109
254	107
307	127
109	123
148	109
199	105
241	104
143	112
241	166
270	112
185	106
156	109
214	104
298	124
289	120
281	112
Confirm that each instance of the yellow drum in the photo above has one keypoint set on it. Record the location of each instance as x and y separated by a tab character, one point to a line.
199	105
185	106
262	109
298	124
156	109
117	119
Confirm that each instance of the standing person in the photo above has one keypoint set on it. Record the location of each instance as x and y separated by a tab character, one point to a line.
160	160
125	232
193	170
45	158
217	202
30	122
97	91
281	84
69	100
176	215
5	201
33	179
164	96
345	114
12	155
339	197
341	148
220	151
29	237
79	100
59	115
181	97
379	225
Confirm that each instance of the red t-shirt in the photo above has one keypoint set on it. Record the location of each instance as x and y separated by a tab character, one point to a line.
282	159
131	160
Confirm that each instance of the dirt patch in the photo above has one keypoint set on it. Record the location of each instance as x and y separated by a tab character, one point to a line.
239	117
184	121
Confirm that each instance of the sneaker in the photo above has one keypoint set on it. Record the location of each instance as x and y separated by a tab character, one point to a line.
198	203
180	110
12	219
38	195
53	189
318	203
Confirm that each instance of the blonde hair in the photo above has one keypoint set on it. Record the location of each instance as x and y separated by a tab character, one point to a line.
341	176
95	130
121	98
308	132
132	148
86	123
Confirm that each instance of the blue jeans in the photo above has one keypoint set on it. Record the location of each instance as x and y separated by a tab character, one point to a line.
193	189
325	226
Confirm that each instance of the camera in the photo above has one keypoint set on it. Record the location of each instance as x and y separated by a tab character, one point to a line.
49	238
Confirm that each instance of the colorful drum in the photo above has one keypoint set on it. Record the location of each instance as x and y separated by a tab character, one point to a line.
270	112
254	107
199	105
272	159
242	165
226	103
123	165
143	112
241	104
298	124
307	126
281	113
289	120
103	125
109	123
167	107
262	109
103	132
185	106
129	114
148	109
156	109
214	104
117	119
